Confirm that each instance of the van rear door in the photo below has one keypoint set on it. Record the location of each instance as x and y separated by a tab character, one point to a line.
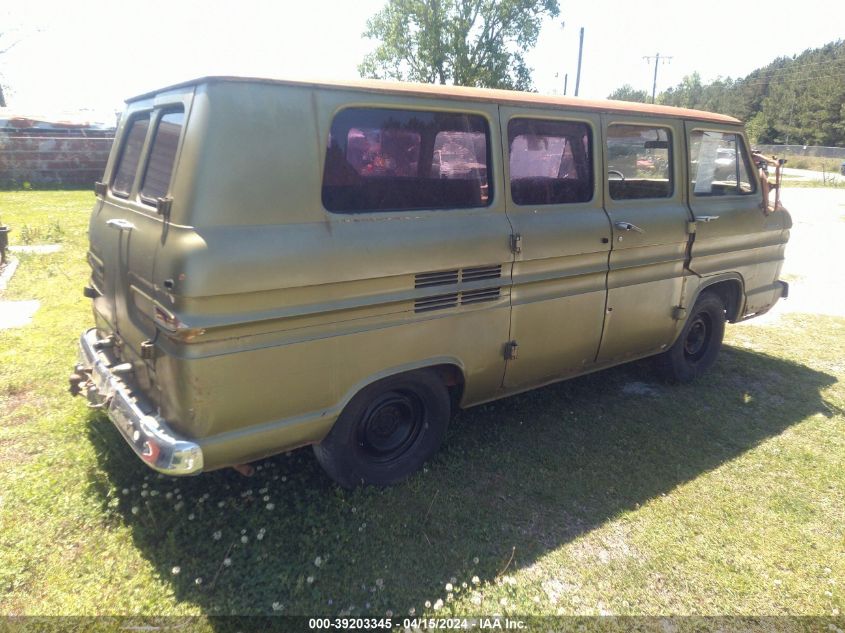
126	227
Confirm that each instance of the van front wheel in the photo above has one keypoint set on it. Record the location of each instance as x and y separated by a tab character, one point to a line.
699	342
387	431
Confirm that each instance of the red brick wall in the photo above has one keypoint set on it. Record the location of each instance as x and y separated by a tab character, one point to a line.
52	160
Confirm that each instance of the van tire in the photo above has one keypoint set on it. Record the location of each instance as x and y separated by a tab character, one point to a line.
387	431
698	345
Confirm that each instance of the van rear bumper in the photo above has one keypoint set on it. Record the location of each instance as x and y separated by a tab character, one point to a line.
148	434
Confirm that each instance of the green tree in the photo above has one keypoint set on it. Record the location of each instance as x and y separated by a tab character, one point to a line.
465	42
628	93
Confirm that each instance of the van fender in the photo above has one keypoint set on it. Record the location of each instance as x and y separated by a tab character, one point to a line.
730	287
448	363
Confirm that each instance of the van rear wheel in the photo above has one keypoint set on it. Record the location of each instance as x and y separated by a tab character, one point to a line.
698	344
387	431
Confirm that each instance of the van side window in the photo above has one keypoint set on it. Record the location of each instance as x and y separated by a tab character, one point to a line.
162	155
385	160
130	155
719	165
550	162
639	162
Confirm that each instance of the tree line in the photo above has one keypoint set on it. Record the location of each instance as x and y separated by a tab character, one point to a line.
798	100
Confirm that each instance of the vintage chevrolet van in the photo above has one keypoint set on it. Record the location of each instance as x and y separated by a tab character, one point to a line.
280	263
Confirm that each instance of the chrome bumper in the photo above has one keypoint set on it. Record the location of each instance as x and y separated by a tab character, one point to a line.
148	435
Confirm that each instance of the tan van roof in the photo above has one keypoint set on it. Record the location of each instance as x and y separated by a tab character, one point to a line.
471	94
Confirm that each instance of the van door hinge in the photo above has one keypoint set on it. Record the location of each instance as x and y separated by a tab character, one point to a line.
516	243
163	206
147	350
100	189
691	228
679	313
511	350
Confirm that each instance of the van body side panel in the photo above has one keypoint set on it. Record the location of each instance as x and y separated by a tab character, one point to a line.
739	237
560	273
296	308
647	263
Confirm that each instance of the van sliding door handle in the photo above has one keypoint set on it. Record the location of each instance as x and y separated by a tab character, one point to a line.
706	218
627	226
120	224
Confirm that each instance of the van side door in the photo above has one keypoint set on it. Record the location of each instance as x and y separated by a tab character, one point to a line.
644	194
561	236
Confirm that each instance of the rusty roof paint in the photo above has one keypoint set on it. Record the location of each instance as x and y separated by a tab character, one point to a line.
470	94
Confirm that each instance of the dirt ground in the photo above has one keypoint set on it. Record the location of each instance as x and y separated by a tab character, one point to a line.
815	255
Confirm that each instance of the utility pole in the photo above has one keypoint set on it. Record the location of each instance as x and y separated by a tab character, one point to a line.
580	54
657	59
565	82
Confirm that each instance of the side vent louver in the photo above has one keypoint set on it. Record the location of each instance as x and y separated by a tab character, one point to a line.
439	278
451	278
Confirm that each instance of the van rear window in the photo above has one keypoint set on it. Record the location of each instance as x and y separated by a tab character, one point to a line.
162	155
130	154
385	160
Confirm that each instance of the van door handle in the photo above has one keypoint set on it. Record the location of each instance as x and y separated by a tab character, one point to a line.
627	226
121	224
706	218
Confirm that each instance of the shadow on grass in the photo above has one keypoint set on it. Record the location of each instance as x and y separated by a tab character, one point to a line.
515	479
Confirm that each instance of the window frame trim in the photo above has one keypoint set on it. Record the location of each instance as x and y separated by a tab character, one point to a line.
130	122
650	123
593	158
491	130
752	174
160	112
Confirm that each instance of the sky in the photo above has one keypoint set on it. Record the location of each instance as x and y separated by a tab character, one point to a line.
93	54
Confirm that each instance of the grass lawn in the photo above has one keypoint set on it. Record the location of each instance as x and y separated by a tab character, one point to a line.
610	493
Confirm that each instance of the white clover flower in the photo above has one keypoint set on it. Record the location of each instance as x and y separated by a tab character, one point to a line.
179	506
503	602
175	571
168	496
389	613
244	539
260	536
284	478
309	580
220	504
277	606
354	509
153	493
412	611
270	506
476	599
475	560
191	516
475	580
463	585
198	581
262	491
144	493
145	485
135	509
438	605
380	583
453	580
227	562
318	561
428	604
449	587
125	491
217	535
266	497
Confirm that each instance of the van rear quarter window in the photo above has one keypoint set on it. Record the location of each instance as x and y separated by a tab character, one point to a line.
130	155
389	160
162	155
550	162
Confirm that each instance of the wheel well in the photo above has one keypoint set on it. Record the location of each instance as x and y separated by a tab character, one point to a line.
730	292
453	378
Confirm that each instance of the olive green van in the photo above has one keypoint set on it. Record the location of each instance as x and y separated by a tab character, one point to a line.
279	263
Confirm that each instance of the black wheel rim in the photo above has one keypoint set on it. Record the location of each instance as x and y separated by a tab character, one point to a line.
697	340
391	425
